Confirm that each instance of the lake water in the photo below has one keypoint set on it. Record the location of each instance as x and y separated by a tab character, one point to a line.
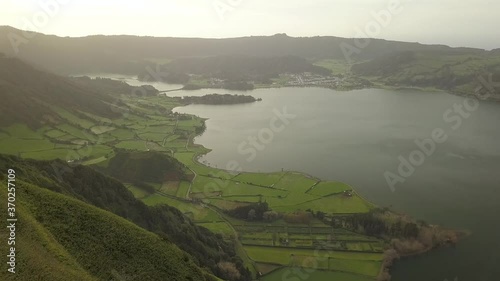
356	137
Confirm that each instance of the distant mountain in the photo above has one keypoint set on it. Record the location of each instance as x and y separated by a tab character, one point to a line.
130	54
453	71
235	68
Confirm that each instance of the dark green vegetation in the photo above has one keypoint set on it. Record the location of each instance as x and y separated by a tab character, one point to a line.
231	72
456	71
215	99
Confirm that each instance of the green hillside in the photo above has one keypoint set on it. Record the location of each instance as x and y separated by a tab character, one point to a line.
61	238
455	71
100	193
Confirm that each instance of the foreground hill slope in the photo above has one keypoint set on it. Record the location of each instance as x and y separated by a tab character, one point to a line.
62	238
80	229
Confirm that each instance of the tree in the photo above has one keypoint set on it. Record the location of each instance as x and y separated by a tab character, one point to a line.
251	214
270	216
229	269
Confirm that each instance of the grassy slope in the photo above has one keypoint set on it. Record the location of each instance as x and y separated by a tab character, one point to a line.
81	242
456	71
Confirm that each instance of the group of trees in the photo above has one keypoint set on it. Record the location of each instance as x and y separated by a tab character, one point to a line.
251	212
373	225
219	99
144	167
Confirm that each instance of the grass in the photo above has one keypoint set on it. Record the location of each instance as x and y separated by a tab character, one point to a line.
183	189
14	146
77	132
369	268
22	131
101	129
295	182
329	188
55	134
94	151
285	192
73	119
284	256
123	134
139	193
222	228
289	273
88	241
187	159
49	154
259	178
336	66
170	187
157	137
196	212
337	204
132	145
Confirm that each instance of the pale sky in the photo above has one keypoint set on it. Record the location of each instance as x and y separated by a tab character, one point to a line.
471	23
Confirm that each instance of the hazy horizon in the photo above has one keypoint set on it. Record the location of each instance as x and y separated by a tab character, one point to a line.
451	23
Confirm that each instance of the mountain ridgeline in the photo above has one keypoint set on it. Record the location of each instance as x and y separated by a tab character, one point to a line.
131	54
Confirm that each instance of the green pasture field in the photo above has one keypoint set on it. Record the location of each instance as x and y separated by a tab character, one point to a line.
187	159
138	192
329	188
55	133
59	153
336	66
183	189
368	268
295	182
218	227
283	256
73	119
15	145
22	131
288	273
132	145
170	187
196	212
77	132
101	129
259	179
123	134
338	204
